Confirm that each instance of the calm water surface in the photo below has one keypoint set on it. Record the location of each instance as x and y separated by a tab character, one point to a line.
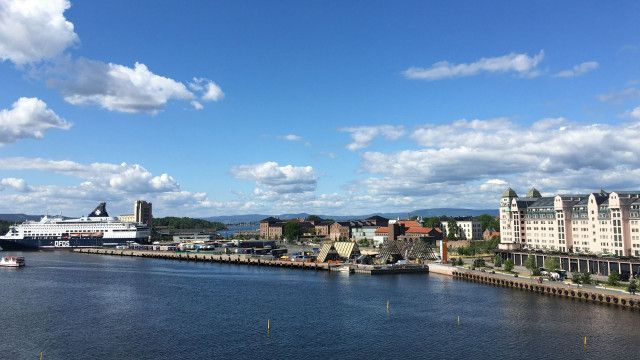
76	306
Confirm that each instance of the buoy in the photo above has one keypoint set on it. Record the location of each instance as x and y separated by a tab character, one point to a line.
41	355
585	341
458	319
387	305
268	325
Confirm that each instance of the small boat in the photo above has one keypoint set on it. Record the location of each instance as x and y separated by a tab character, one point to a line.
345	269
12	261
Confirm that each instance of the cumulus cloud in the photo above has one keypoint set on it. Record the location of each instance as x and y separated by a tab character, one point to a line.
271	178
552	154
521	64
15	183
118	184
635	113
210	90
28	118
107	176
578	70
34	30
115	87
362	136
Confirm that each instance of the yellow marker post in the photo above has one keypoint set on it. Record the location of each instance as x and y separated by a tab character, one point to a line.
268	326
41	355
585	341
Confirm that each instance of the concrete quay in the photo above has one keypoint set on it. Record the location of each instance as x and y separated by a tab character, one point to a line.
587	294
230	259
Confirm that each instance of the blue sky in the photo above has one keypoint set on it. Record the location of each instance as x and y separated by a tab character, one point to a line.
342	107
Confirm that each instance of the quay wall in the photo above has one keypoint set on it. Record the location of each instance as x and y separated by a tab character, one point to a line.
231	259
593	295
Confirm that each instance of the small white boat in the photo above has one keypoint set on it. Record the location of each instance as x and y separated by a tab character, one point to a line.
345	269
12	261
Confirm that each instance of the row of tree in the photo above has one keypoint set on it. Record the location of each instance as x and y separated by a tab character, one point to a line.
173	222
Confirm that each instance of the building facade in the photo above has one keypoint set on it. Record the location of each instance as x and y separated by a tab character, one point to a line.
142	213
468	228
599	223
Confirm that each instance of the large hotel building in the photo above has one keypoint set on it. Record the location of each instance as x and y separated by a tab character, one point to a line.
601	223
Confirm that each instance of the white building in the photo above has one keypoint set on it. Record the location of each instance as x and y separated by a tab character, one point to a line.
468	228
596	223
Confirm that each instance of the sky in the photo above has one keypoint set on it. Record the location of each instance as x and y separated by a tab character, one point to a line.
328	107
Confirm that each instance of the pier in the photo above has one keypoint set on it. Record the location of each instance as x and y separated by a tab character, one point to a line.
223	258
248	260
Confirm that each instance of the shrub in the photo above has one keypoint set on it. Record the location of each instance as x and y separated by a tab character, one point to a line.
614	278
508	265
497	261
576	277
633	286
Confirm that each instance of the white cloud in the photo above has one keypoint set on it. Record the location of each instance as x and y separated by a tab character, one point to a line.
578	70
362	136
493	185
116	87
552	154
196	105
620	95
33	30
28	118
15	183
635	113
292	137
118	184
272	178
209	89
521	64
105	176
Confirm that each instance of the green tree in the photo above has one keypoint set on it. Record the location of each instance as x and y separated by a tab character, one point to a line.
508	265
173	222
586	278
432	222
614	278
633	286
551	263
530	263
312	218
488	222
497	261
452	229
291	230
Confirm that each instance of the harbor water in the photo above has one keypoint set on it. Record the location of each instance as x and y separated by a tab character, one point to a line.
80	306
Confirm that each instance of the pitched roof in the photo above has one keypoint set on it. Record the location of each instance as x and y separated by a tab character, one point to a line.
509	193
382	230
409	223
418	230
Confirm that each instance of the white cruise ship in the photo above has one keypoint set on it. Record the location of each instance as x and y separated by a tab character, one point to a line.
95	229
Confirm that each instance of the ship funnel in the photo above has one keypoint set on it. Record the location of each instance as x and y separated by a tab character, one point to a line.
100	211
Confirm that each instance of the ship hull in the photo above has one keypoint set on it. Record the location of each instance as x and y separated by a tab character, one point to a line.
40	244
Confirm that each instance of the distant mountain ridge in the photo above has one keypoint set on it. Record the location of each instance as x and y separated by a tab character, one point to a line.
19	217
234	219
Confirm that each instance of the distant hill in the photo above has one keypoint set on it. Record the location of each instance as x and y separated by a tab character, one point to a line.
234	219
19	217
